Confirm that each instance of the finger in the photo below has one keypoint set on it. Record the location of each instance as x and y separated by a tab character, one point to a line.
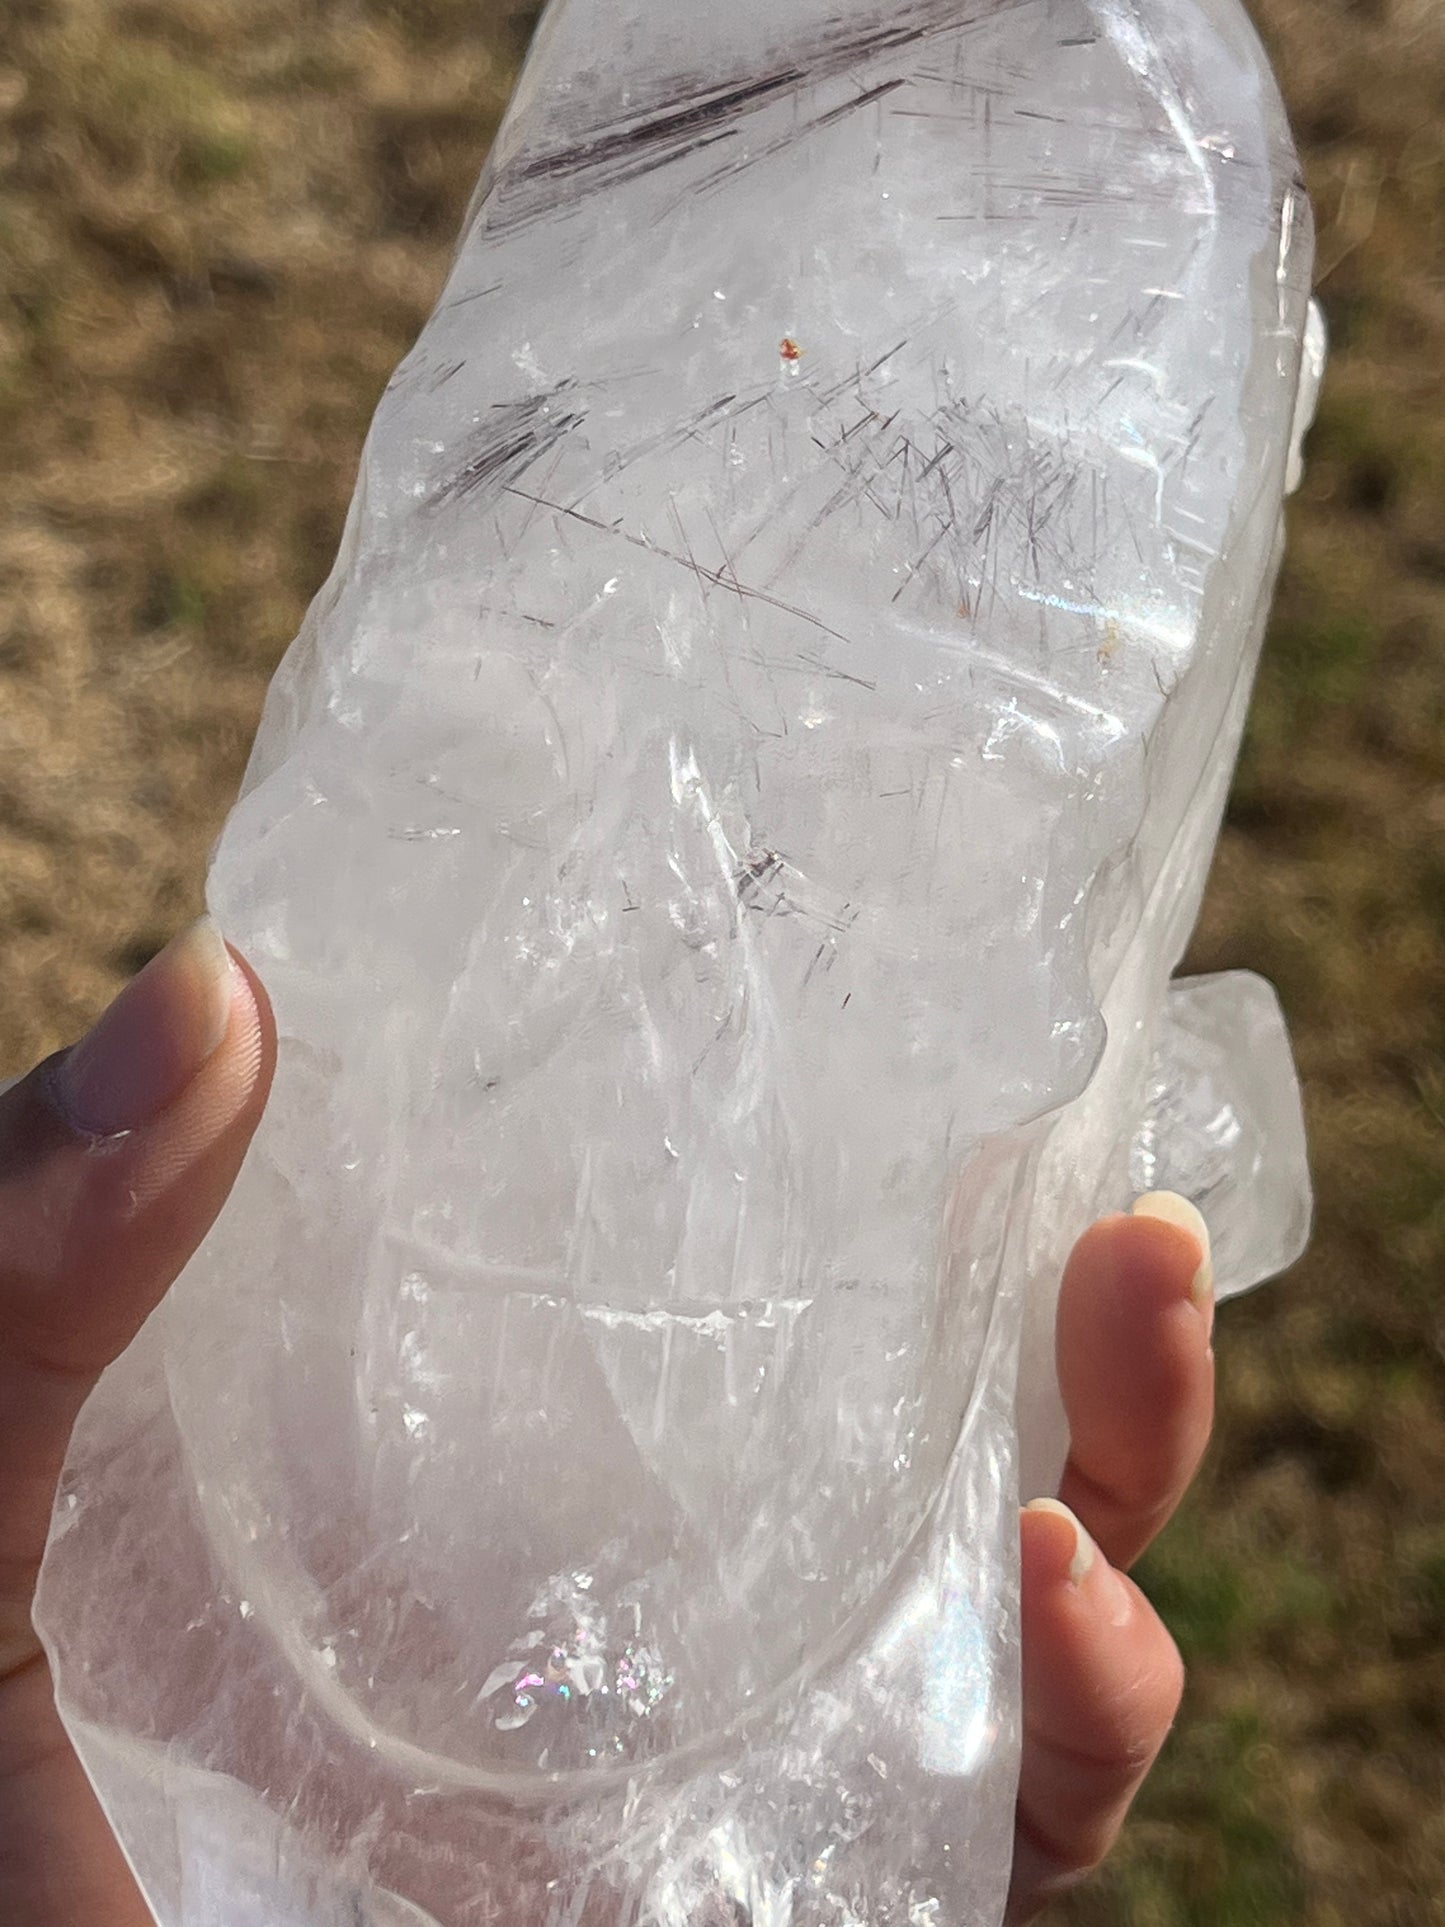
114	1159
62	1862
1136	1370
1101	1686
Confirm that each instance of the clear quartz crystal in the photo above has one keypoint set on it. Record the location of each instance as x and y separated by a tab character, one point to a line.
717	850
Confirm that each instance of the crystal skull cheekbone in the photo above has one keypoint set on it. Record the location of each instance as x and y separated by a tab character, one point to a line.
717	851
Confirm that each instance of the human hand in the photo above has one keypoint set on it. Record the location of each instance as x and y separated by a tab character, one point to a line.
114	1160
1101	1676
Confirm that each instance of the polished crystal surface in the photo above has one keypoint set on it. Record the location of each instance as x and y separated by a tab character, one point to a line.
717	850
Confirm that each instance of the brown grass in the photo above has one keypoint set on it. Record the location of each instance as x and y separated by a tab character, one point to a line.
221	223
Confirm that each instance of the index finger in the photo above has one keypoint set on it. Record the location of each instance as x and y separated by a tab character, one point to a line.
1136	1370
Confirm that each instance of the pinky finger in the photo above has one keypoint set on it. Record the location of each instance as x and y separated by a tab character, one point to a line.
1101	1686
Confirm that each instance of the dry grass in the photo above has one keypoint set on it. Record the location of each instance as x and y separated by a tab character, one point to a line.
222	221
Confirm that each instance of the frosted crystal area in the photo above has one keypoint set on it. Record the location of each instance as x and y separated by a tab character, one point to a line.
717	851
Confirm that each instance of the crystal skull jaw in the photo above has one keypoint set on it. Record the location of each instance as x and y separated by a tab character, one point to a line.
261	1585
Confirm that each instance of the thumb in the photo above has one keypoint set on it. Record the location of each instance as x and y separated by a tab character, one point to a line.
115	1157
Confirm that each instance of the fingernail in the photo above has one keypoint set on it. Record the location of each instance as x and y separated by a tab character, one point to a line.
1173	1209
155	1037
1085	1551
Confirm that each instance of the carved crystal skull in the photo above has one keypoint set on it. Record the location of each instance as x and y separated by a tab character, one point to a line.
717	852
